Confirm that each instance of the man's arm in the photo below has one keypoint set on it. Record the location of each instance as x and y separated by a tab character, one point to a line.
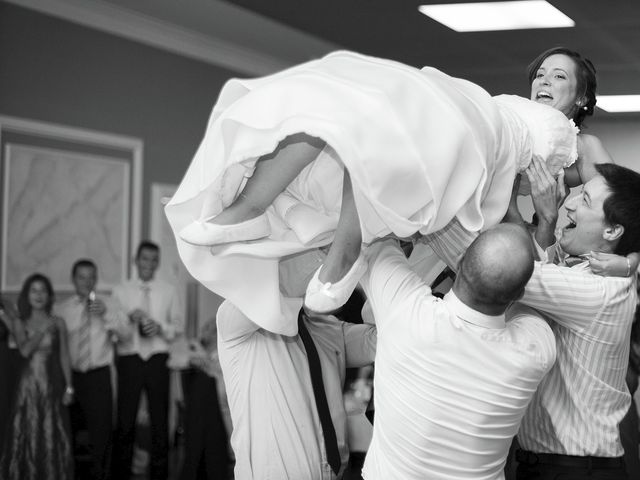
389	279
174	325
591	151
360	344
450	242
115	317
547	193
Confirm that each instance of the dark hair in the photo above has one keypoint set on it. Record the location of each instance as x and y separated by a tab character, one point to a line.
83	262
586	76
147	245
622	205
24	307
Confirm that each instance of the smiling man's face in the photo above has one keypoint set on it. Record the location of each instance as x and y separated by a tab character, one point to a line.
587	224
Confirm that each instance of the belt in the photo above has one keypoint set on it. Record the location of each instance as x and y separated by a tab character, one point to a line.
90	370
532	458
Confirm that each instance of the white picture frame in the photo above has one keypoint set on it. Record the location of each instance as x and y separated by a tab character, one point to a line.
68	193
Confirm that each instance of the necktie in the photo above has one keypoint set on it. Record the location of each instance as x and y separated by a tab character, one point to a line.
84	340
571	260
315	370
146	298
145	305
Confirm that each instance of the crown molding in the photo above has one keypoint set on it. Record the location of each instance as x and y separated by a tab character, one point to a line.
144	29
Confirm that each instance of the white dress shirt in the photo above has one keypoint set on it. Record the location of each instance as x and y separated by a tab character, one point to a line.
579	405
165	308
276	429
451	384
113	322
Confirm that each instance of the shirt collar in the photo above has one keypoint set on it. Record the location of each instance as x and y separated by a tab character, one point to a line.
562	258
575	262
141	283
469	315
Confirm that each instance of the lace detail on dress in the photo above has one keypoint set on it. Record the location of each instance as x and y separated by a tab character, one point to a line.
553	136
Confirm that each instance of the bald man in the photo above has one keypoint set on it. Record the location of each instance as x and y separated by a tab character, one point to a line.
453	376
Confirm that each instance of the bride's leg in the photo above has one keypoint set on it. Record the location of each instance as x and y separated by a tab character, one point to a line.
334	282
347	242
244	219
273	173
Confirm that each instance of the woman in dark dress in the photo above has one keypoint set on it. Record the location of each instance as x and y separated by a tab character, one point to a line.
37	444
5	389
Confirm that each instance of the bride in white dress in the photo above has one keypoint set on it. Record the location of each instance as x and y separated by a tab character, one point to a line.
420	148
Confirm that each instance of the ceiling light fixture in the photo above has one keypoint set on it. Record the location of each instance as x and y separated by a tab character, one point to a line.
488	16
619	103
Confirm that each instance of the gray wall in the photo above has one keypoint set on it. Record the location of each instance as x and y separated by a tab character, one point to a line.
55	71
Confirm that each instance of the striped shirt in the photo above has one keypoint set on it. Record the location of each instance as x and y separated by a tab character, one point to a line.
579	404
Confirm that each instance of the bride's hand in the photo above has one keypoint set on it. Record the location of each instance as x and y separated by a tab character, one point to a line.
612	265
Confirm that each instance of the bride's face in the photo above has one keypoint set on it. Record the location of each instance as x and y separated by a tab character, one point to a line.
38	295
556	84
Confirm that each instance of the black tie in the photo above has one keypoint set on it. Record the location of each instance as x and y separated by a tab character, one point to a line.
315	370
572	260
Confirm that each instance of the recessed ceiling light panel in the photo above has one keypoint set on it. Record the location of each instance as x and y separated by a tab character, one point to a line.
488	16
619	103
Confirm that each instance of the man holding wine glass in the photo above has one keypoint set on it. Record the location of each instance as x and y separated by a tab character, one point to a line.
156	318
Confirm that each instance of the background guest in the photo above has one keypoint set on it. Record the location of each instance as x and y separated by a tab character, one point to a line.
38	444
285	392
11	365
155	319
206	439
92	320
7	388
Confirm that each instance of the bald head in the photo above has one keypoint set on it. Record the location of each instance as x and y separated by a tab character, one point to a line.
495	269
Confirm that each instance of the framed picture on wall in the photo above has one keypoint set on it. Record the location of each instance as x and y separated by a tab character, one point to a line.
68	193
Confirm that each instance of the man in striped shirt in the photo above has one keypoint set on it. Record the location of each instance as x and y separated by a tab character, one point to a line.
571	425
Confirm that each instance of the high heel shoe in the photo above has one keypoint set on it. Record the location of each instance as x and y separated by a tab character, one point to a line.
327	297
204	233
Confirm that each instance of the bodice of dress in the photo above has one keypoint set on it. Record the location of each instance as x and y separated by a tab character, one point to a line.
46	345
537	129
43	361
